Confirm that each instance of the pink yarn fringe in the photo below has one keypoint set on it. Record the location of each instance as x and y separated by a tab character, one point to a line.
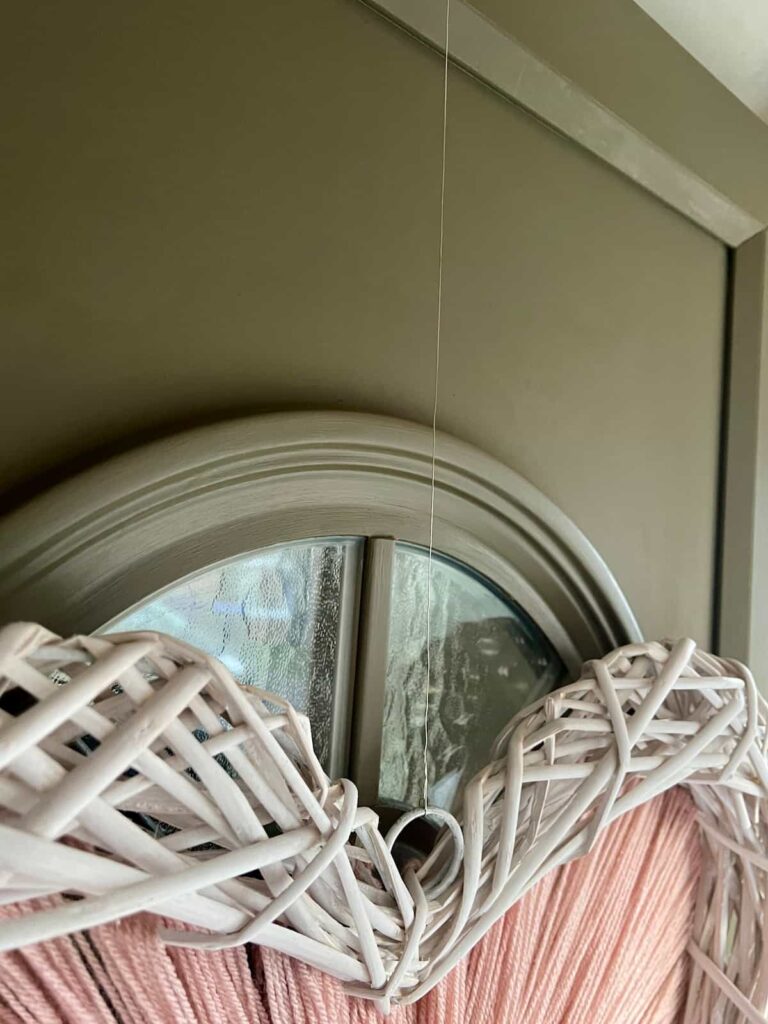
599	941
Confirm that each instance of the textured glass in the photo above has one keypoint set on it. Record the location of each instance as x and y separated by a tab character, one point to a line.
488	660
271	617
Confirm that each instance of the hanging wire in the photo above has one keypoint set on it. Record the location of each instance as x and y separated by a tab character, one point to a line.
434	412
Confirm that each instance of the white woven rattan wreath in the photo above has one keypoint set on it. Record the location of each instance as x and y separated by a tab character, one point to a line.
257	844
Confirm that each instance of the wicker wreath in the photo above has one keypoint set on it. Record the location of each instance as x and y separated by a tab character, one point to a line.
137	774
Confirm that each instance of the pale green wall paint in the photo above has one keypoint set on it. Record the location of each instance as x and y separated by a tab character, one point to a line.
218	209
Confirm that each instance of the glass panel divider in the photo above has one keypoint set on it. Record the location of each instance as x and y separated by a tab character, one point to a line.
372	660
346	658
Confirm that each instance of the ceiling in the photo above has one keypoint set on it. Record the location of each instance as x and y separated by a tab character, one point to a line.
729	37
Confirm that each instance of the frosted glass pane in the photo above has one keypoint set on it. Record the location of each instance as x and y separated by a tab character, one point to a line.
489	659
271	617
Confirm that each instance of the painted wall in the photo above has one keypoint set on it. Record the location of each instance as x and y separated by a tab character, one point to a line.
219	209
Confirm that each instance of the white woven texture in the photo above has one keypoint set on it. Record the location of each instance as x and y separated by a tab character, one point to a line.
137	774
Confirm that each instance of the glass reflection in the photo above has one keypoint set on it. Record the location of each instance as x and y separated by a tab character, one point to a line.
271	617
488	660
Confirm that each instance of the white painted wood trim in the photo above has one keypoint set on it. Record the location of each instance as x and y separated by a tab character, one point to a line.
92	547
742	609
480	48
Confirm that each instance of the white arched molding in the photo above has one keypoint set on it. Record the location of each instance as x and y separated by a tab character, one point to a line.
93	546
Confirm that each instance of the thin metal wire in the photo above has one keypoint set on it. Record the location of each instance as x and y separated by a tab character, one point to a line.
434	412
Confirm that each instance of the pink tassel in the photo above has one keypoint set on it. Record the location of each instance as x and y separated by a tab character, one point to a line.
599	941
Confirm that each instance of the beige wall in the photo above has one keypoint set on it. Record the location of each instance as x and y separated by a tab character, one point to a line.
223	208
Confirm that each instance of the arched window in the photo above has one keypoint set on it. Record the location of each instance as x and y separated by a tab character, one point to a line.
293	547
288	619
